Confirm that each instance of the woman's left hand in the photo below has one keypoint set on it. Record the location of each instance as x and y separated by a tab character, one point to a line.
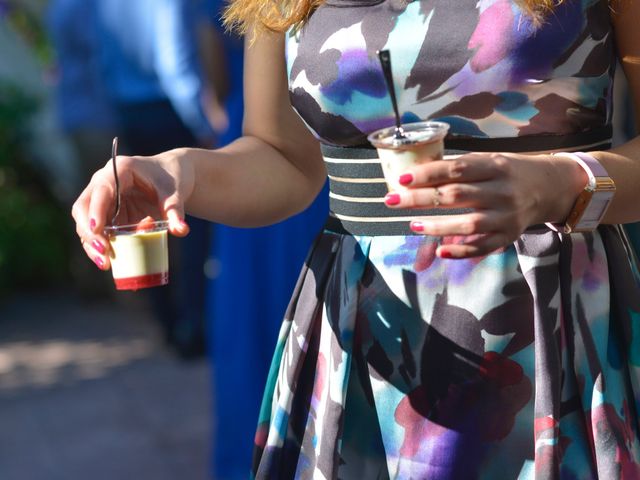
507	193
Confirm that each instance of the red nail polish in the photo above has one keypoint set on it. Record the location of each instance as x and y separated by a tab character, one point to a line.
445	253
98	246
392	199
182	227
99	262
416	226
405	179
92	224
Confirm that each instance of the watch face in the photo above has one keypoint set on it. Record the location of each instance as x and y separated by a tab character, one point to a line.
598	207
594	212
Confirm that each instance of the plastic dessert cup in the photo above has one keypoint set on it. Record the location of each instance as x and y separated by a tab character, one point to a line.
139	255
423	142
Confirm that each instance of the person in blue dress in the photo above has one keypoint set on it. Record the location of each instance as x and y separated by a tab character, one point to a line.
247	297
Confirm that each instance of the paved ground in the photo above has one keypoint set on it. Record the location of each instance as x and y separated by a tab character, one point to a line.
88	391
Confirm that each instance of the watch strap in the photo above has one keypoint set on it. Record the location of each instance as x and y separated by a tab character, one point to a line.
589	164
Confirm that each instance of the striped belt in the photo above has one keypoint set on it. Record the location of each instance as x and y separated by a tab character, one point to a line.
357	186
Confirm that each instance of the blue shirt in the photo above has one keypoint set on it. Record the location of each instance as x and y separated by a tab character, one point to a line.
150	52
233	52
81	98
233	44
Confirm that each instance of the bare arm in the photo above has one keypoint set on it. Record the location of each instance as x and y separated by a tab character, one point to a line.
274	171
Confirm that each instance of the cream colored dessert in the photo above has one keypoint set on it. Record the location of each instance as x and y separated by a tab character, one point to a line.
422	142
139	259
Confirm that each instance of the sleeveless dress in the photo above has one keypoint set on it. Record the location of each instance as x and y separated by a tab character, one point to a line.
393	363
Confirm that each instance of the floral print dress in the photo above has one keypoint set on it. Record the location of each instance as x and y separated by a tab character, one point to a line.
394	363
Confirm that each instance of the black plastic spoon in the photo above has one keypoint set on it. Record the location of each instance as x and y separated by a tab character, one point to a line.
385	63
114	154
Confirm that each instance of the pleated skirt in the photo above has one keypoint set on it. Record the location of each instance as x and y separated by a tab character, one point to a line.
394	363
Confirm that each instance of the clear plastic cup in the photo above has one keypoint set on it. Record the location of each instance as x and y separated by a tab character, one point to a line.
422	142
139	254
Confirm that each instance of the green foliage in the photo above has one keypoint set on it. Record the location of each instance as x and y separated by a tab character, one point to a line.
28	23
33	226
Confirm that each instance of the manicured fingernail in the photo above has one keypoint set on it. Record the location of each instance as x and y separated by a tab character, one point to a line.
443	253
99	262
183	227
392	199
92	224
416	226
98	246
405	178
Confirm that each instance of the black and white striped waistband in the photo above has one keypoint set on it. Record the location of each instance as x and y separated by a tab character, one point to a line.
357	186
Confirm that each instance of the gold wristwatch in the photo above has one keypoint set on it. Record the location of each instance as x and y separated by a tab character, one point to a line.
592	203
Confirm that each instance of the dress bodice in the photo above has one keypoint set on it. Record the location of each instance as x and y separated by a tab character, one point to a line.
482	66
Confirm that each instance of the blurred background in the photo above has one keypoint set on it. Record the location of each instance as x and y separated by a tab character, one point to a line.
164	383
90	386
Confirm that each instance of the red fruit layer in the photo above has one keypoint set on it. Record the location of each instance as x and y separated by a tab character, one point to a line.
143	281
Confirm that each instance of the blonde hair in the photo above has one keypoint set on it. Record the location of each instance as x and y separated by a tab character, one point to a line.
244	16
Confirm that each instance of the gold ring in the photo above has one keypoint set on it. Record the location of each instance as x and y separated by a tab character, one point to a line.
436	197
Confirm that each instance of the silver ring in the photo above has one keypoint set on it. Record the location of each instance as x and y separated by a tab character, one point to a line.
436	197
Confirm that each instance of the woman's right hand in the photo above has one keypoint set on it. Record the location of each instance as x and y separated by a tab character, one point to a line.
154	186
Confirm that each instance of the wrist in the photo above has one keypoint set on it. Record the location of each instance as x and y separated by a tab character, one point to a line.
180	165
